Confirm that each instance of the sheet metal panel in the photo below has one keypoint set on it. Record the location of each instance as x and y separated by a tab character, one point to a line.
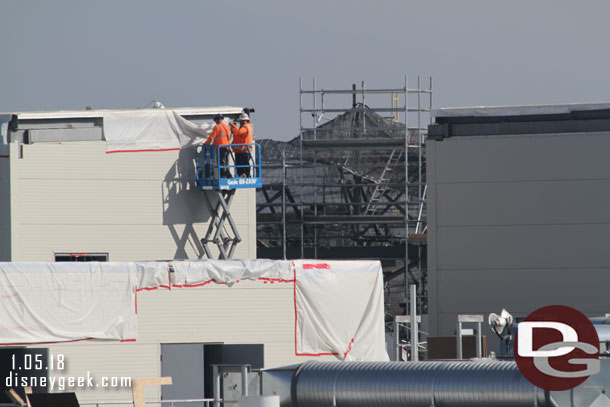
517	222
522	158
523	246
524	203
525	110
491	290
183	362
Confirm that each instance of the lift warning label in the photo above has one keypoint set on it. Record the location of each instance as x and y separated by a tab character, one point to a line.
242	181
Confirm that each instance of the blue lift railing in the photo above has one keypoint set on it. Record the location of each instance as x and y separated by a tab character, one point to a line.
209	168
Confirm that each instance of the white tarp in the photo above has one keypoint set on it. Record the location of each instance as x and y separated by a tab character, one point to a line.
152	275
338	305
193	273
54	302
151	130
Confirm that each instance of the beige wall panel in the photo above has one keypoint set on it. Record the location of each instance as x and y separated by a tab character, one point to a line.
136	206
109	360
124	242
90	160
248	312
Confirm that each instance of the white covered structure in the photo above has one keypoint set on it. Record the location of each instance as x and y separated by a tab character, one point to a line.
118	316
118	187
115	185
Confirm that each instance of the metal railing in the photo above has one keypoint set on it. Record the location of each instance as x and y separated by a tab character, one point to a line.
210	169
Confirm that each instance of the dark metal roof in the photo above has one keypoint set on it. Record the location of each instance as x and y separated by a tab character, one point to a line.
514	120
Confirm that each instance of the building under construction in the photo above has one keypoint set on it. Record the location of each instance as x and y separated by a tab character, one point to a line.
352	185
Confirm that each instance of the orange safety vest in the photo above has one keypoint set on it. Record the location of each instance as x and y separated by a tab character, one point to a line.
220	135
243	135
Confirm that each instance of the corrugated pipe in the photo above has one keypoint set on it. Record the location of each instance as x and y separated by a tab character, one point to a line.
425	384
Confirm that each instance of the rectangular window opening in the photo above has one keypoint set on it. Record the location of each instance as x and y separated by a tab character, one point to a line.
76	256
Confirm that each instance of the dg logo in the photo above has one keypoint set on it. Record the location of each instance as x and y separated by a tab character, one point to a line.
557	348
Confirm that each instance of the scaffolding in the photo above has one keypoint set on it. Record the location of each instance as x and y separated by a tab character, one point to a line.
352	184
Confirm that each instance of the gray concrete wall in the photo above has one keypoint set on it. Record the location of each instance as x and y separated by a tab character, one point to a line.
5	209
518	222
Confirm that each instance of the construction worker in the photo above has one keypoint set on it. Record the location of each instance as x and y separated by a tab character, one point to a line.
221	136
242	135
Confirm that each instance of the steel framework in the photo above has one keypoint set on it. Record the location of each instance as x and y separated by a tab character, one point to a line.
352	184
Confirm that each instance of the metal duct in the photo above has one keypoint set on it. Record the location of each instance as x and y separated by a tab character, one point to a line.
425	384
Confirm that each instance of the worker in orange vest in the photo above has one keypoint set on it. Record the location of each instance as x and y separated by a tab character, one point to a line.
242	135
221	138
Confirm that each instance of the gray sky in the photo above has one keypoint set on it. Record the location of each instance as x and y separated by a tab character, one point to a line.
68	54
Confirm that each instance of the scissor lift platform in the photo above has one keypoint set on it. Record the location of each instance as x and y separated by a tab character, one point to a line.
208	174
209	168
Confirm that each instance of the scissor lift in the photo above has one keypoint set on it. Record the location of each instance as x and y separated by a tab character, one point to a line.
208	173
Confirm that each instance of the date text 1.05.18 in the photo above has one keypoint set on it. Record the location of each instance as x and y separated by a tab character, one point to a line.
34	361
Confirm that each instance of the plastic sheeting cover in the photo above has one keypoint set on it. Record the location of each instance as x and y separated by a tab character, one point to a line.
53	302
152	130
338	305
193	273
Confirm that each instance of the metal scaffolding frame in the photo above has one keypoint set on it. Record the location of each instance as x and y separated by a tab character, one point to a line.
352	184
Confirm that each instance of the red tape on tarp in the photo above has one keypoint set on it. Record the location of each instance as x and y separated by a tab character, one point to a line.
142	151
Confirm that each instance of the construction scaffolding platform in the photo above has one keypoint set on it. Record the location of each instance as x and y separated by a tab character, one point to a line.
352	185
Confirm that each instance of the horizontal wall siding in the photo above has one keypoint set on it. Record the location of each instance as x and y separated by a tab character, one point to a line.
522	158
523	290
136	206
524	203
517	222
527	246
129	243
83	359
217	313
248	312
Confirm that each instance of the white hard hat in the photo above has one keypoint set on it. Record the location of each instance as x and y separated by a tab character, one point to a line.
244	116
